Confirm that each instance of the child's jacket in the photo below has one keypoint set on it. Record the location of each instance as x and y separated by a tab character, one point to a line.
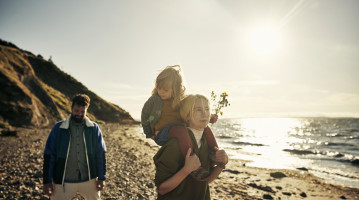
151	113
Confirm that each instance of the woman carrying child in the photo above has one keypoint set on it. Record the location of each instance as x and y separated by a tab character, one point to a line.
172	168
161	120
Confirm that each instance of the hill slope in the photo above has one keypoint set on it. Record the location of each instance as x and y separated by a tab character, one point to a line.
36	93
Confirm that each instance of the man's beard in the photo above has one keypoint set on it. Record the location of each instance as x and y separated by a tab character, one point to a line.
77	119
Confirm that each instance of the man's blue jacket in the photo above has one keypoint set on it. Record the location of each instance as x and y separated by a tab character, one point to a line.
57	149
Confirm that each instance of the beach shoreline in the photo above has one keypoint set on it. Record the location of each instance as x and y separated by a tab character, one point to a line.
130	171
239	181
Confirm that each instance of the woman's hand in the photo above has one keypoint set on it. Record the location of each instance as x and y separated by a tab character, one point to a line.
192	162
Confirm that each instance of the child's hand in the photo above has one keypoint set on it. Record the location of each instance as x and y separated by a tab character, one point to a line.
213	119
192	162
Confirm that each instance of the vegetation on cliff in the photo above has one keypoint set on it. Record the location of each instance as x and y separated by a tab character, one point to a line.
36	93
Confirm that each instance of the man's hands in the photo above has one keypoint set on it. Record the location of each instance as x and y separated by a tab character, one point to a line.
192	162
100	184
49	189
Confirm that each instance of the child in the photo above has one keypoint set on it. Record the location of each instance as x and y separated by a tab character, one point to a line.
172	168
160	116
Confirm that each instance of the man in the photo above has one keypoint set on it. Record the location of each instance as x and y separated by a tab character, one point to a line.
74	157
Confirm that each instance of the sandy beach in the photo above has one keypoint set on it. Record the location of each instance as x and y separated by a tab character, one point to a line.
130	171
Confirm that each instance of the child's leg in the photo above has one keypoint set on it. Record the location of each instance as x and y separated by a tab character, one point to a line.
163	136
181	133
211	140
185	142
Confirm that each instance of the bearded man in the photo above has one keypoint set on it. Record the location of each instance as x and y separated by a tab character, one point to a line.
74	156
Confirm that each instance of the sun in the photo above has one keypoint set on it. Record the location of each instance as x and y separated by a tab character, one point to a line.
264	40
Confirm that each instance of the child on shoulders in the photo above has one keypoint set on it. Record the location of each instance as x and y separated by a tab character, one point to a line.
160	117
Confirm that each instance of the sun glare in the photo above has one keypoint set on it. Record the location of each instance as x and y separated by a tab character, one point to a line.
273	134
264	40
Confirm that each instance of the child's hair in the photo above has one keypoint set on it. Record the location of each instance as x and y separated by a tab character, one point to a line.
171	77
187	105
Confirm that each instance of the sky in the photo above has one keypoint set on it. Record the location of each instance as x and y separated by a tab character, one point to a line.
274	58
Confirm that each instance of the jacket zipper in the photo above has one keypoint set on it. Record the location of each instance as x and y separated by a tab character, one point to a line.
68	150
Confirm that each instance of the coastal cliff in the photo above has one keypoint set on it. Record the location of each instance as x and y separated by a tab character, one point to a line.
36	93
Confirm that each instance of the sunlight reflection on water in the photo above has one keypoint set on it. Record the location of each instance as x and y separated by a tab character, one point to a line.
266	138
322	145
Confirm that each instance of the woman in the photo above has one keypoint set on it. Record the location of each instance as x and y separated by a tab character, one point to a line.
172	168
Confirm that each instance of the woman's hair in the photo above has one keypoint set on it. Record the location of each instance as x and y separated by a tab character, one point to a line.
187	105
171	77
81	100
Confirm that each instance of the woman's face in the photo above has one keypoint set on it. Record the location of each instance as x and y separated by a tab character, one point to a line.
200	115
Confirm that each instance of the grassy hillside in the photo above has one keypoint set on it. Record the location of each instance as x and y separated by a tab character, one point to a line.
35	92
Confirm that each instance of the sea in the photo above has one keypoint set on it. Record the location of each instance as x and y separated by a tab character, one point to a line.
326	147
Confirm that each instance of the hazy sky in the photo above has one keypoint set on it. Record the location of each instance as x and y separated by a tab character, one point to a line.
273	58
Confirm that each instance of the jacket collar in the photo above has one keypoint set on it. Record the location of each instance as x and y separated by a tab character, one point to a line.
65	124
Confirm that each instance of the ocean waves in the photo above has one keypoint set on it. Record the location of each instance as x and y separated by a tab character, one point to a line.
329	145
339	157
